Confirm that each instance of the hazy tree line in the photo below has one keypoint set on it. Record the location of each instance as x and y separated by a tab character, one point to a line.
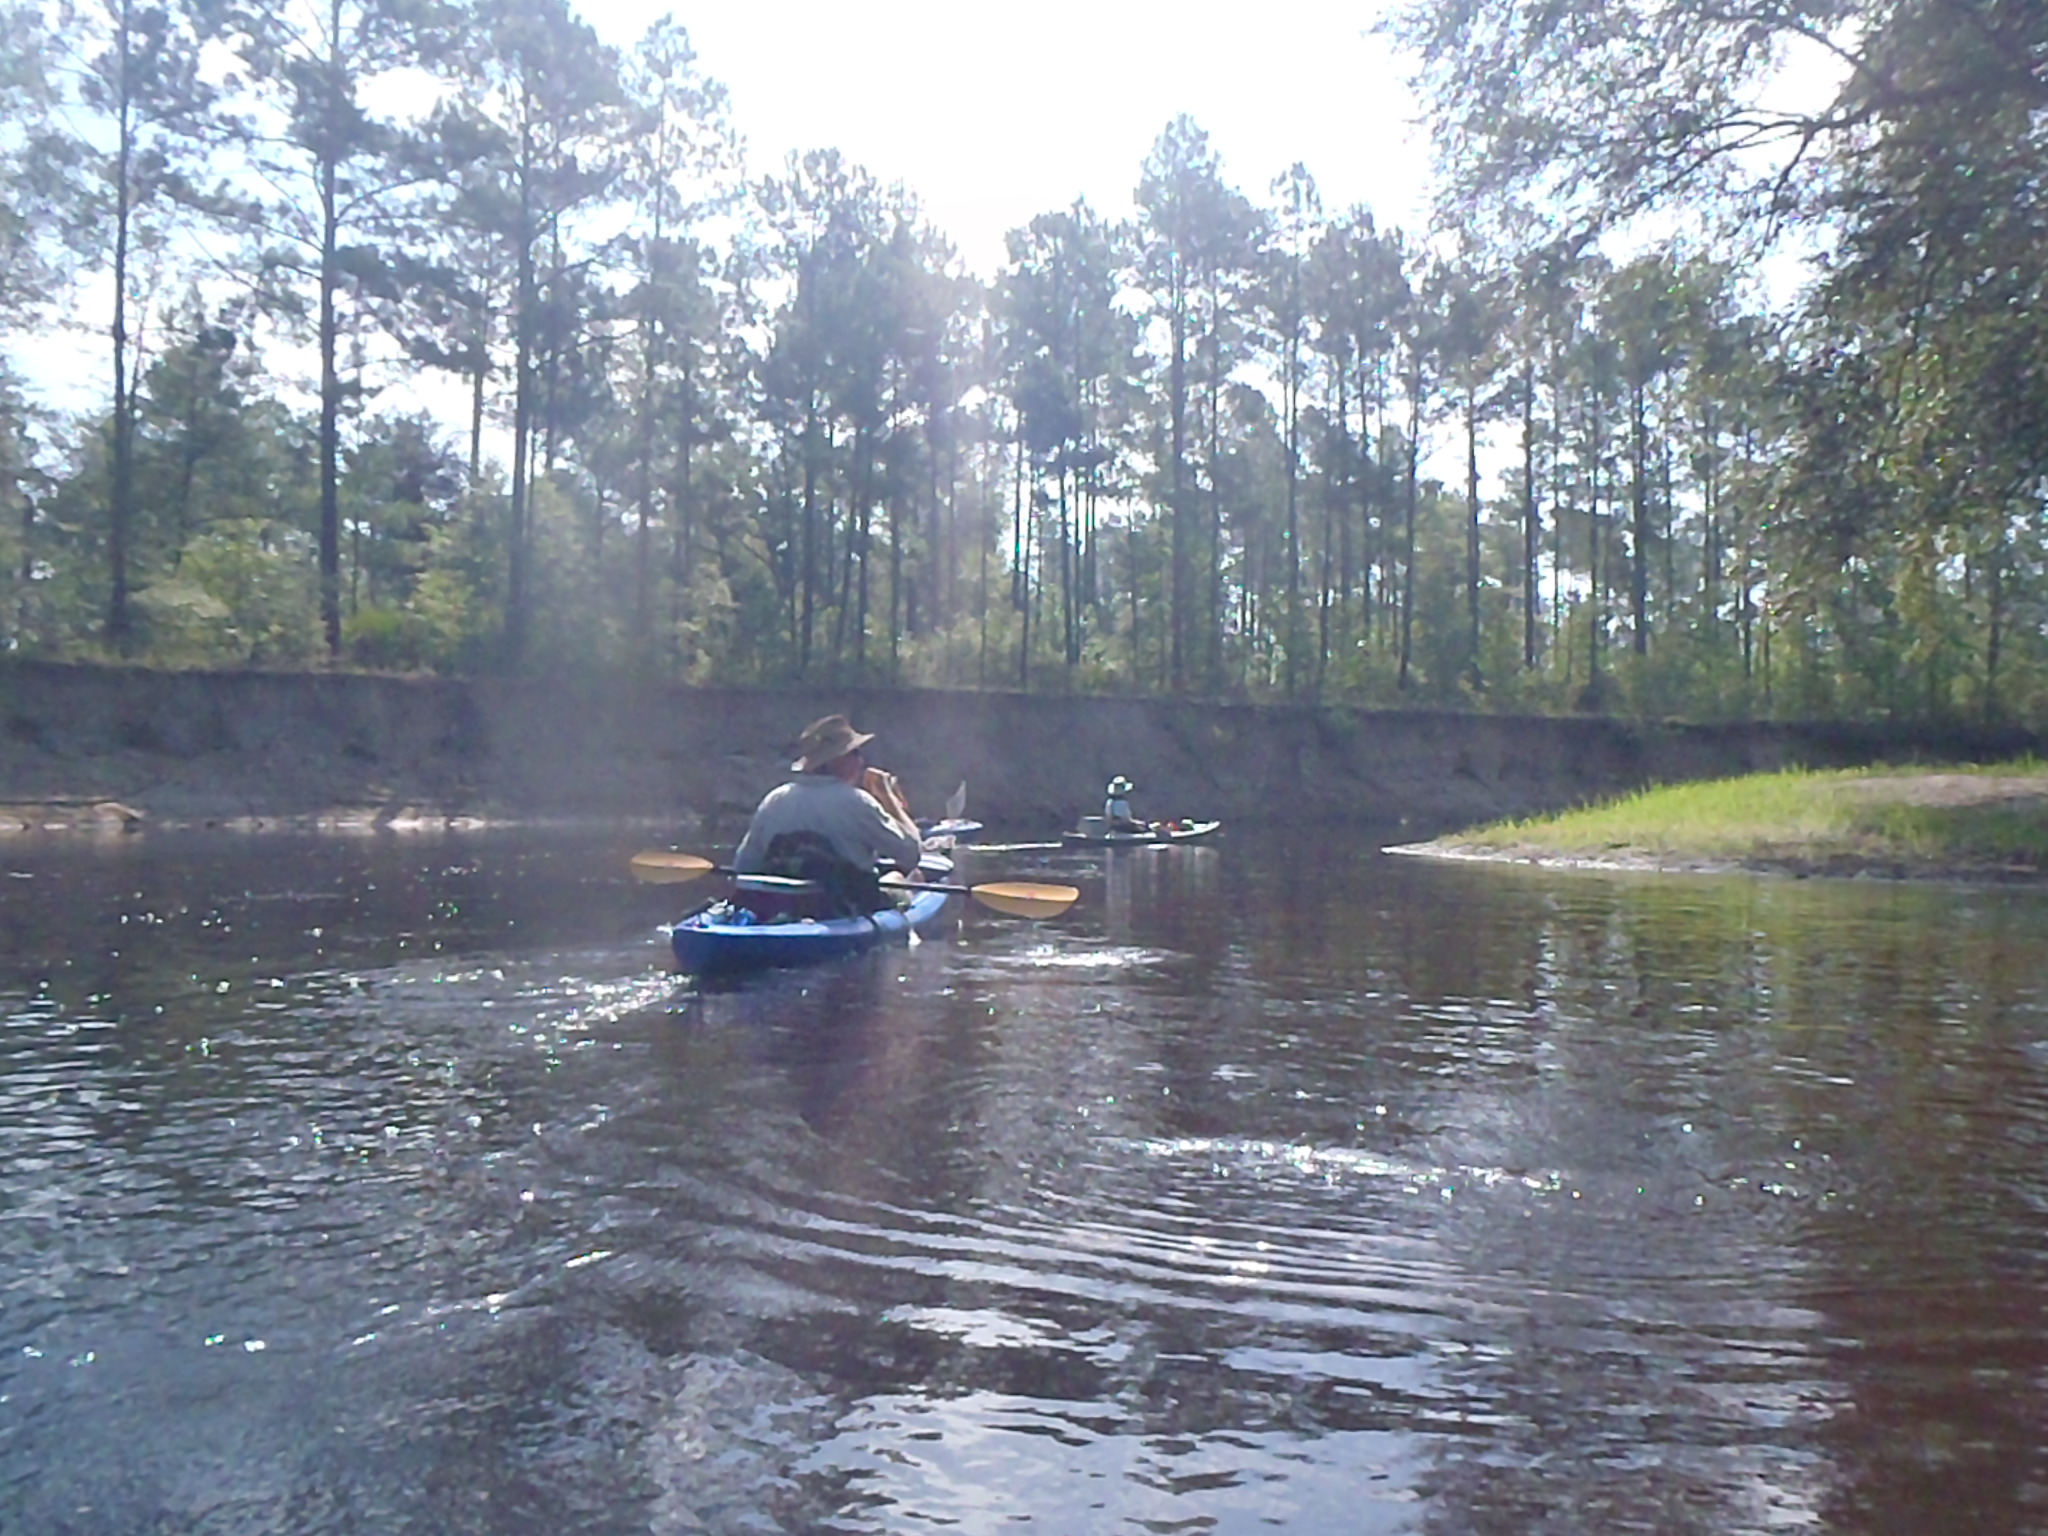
723	427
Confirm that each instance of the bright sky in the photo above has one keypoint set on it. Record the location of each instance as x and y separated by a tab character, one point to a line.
993	113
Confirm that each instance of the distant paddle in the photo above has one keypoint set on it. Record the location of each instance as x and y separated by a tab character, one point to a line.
954	824
1019	898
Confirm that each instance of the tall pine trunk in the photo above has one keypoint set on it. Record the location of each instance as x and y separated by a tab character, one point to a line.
1472	671
1532	529
330	405
1413	488
1639	519
121	489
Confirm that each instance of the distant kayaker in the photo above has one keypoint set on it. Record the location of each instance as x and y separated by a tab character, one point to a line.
1116	806
838	823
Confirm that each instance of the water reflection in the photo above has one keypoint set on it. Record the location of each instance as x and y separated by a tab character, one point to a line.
374	1186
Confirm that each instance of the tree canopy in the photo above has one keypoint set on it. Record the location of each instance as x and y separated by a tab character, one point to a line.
439	334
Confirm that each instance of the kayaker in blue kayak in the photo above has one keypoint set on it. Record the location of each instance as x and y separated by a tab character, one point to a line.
838	823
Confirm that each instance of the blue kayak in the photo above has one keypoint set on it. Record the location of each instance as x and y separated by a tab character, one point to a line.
727	938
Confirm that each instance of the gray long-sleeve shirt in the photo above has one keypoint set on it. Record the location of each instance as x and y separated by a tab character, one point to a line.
851	819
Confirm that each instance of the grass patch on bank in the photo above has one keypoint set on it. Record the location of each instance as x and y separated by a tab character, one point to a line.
1993	816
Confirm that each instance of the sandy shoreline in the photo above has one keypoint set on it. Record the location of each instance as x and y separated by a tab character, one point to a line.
1833	867
112	818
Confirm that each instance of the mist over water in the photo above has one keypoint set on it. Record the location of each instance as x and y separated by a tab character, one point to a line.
385	1185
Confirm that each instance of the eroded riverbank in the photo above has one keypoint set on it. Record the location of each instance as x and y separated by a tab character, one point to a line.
353	752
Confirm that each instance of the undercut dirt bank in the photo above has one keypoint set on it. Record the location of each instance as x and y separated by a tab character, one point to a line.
113	747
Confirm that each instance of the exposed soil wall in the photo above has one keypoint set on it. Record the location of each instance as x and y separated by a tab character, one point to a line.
183	747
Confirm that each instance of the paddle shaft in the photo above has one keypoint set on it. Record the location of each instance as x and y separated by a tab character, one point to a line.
793	884
786	883
1018	898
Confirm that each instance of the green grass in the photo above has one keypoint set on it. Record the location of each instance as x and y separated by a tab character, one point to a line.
1814	819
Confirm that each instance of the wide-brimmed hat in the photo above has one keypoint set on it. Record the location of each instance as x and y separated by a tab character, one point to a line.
826	741
1121	786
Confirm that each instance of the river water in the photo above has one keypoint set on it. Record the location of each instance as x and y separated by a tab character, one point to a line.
396	1186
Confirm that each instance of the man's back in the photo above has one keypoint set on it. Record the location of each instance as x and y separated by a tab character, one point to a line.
847	818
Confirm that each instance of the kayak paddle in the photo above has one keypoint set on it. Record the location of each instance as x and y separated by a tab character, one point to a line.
1019	898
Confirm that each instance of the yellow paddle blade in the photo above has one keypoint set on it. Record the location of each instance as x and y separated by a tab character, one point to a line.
663	868
1020	898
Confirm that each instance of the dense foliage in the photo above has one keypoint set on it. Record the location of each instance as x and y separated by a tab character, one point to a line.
439	335
1891	457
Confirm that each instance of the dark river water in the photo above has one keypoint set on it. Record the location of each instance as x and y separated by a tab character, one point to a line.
396	1186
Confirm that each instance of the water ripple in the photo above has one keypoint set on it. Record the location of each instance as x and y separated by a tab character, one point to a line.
346	1194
